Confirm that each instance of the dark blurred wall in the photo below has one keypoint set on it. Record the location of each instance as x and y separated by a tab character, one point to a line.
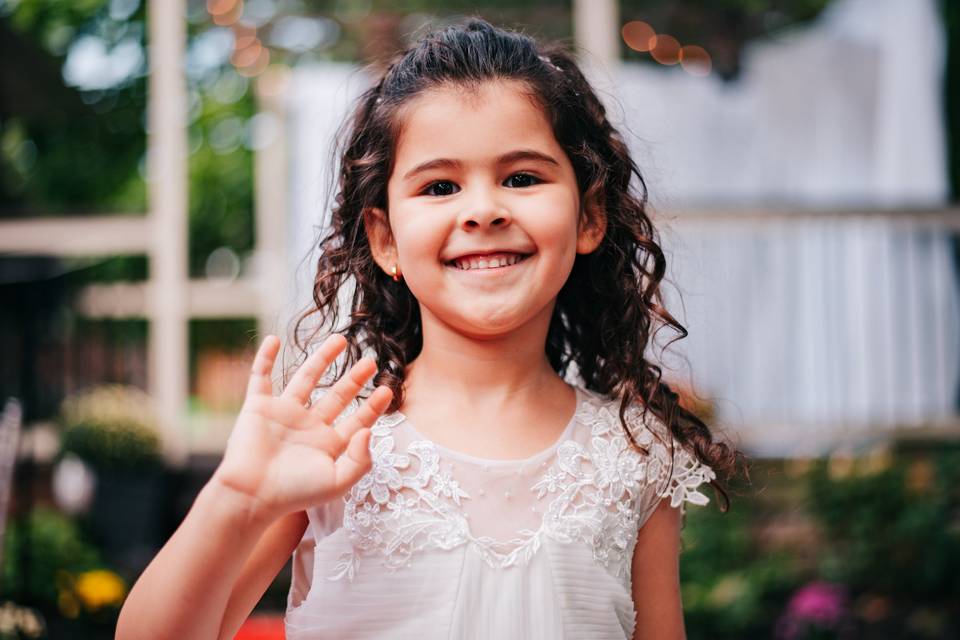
32	295
951	19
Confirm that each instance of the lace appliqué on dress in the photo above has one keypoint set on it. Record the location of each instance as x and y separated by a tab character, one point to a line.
380	517
604	495
601	495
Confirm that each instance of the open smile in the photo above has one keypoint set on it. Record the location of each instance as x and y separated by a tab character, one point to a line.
487	262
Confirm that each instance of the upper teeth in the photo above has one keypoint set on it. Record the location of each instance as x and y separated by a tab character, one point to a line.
487	262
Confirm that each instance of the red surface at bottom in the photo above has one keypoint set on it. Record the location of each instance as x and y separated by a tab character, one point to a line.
261	628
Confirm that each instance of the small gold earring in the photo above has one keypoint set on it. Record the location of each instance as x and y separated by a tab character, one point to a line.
395	273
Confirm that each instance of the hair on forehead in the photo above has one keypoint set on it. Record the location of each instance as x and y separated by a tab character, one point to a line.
472	93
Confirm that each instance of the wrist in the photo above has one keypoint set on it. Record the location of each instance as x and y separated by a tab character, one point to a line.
247	508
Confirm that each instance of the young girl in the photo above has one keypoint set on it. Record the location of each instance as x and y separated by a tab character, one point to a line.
519	469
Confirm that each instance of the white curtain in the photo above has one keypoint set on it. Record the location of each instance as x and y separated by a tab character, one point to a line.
811	333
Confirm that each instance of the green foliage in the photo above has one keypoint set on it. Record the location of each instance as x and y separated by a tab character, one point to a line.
893	530
221	178
885	529
36	548
731	587
44	16
117	268
63	150
87	154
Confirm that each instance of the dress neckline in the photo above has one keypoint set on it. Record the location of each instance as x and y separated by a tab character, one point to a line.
501	462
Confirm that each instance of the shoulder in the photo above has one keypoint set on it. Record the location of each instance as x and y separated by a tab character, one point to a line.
670	468
602	412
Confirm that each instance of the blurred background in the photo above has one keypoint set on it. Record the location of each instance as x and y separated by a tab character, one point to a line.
165	169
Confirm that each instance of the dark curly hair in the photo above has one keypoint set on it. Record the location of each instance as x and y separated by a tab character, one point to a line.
605	313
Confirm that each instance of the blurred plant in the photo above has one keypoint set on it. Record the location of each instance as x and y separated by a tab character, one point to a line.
97	593
42	544
731	587
112	429
19	623
817	610
892	526
49	128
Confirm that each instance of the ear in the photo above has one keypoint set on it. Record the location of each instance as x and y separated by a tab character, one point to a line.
382	244
592	227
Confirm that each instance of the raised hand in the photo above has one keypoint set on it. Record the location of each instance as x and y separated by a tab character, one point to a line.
285	456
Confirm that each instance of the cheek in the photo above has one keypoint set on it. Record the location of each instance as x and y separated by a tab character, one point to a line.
556	227
416	234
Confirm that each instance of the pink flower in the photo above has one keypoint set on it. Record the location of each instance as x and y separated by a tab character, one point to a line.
817	605
819	602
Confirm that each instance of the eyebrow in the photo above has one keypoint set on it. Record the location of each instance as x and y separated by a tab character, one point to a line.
513	156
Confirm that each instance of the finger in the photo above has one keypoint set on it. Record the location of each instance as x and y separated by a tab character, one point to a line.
336	399
305	379
336	440
260	382
278	410
365	415
355	462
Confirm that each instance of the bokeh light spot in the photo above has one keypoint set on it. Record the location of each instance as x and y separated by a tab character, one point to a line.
695	60
665	49
638	35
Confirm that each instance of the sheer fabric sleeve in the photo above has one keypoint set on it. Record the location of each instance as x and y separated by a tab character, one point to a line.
323	521
302	570
672	470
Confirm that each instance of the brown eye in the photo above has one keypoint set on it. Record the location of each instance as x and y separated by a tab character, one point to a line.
526	180
440	188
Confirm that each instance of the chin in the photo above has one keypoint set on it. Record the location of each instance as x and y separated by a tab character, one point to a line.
488	326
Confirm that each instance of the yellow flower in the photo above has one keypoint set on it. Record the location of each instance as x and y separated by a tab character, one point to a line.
100	588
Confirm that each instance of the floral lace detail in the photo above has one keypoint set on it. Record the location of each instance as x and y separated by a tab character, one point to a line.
599	495
604	495
379	516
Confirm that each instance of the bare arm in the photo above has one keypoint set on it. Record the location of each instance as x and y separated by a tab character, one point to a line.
282	457
184	590
268	557
656	577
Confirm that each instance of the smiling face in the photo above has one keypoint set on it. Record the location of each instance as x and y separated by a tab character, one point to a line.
484	211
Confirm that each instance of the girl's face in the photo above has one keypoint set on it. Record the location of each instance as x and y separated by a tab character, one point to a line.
484	210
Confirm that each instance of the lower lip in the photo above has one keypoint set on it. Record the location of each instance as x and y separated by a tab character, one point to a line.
489	270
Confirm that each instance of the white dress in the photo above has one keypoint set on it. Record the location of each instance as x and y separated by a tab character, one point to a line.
434	543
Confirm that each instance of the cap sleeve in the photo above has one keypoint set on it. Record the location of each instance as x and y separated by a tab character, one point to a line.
672	470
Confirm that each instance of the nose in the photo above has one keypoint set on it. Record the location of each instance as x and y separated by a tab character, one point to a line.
484	212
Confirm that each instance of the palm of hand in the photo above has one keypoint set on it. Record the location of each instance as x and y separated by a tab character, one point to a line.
274	462
285	456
